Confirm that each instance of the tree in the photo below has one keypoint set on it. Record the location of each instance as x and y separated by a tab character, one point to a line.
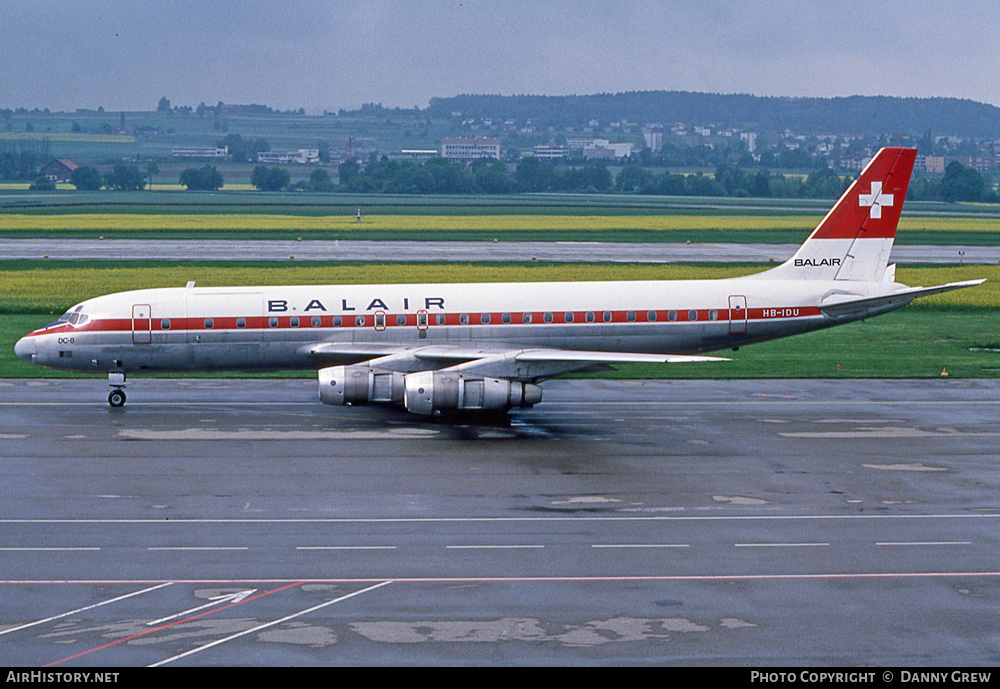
319	180
163	105
269	178
961	183
205	178
125	178
151	169
42	184
86	178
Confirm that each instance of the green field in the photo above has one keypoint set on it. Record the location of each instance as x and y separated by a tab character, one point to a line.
171	214
958	331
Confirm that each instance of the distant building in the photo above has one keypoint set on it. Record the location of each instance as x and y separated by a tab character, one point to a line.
654	141
978	163
59	170
549	151
933	164
602	149
307	156
751	139
468	150
199	152
415	154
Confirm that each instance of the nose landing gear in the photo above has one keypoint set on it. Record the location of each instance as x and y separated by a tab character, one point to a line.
116	398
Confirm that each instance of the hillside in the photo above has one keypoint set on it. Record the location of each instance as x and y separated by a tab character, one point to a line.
857	115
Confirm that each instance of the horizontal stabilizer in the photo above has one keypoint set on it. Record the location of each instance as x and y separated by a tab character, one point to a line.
854	306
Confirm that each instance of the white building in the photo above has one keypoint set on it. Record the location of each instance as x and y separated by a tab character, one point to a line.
199	152
467	150
303	155
549	151
602	149
654	141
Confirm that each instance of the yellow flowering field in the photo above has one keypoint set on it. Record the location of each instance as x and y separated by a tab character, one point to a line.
62	285
95	222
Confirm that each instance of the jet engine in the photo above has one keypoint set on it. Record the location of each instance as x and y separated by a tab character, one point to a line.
359	384
430	391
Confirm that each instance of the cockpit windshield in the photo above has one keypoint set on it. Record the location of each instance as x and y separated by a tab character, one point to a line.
74	316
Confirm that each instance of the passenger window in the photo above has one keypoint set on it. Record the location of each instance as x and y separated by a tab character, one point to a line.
209	324
316	321
671	315
272	322
713	315
359	320
547	318
568	316
241	322
525	317
165	324
484	319
337	321
294	321
463	318
692	315
651	316
607	316
630	316
439	319
589	317
505	318
400	319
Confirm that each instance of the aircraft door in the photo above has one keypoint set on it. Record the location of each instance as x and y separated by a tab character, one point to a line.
737	315
141	324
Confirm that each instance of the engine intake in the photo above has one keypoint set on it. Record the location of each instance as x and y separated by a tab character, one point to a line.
431	391
359	384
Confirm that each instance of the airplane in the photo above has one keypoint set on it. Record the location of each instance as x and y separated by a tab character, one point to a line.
440	348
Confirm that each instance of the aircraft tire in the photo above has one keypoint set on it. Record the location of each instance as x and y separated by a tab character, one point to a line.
116	398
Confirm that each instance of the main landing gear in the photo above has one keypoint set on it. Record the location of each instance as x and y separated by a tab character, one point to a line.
116	398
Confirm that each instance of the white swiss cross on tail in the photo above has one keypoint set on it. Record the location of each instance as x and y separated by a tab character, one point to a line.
876	200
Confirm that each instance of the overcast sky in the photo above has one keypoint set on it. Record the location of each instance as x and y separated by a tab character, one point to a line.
338	54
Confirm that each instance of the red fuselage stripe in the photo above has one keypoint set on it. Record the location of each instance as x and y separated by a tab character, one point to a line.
389	320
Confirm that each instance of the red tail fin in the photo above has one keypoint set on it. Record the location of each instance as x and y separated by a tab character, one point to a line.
854	240
871	206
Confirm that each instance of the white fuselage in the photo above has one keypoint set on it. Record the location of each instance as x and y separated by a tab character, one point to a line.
195	328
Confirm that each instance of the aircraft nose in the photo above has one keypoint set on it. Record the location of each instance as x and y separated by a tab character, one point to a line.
25	349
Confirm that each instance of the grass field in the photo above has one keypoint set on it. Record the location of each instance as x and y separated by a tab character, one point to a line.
957	331
673	227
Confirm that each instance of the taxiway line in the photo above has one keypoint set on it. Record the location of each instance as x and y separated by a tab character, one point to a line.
172	624
269	624
84	609
610	579
500	520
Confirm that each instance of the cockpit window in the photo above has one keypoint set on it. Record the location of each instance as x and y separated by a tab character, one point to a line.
73	316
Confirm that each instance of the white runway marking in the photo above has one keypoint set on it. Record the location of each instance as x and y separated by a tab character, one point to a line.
270	624
489	547
642	545
924	543
89	607
781	545
52	549
194	547
504	520
345	547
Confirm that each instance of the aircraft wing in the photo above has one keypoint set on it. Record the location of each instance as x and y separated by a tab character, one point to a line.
501	362
854	306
